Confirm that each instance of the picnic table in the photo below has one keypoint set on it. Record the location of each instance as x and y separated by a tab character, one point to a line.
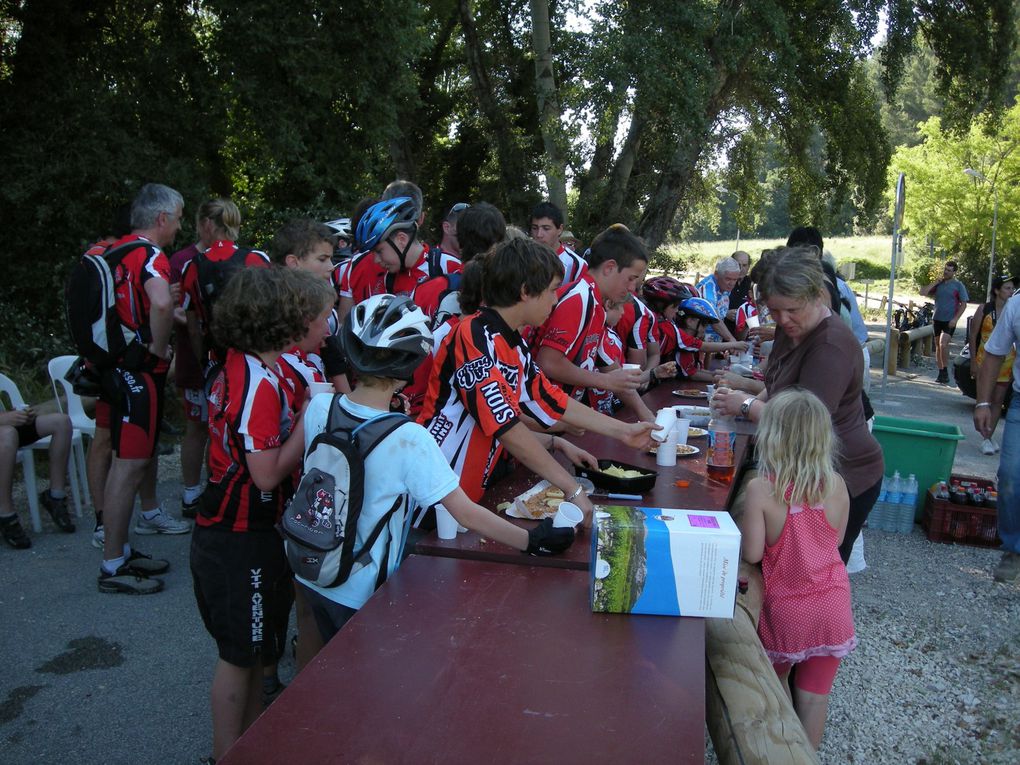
701	493
457	661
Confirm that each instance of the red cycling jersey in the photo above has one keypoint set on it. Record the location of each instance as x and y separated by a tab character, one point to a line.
575	326
250	410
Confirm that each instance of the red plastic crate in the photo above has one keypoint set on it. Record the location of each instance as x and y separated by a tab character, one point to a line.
945	521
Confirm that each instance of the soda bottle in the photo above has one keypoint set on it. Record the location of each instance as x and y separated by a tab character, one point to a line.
722	447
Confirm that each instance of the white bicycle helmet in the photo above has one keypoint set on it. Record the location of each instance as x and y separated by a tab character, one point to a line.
341	227
386	323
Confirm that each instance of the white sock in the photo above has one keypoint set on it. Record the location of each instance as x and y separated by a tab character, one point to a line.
111	566
150	514
191	493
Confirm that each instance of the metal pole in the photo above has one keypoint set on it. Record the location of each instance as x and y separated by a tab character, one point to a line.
738	238
995	225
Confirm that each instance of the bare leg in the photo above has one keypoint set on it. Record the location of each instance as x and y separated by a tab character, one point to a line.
236	698
147	489
309	639
942	351
121	486
193	451
58	428
8	454
812	709
97	467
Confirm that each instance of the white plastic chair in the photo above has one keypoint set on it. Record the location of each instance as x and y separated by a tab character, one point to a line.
83	424
27	459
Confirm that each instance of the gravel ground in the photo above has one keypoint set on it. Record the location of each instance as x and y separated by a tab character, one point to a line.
935	679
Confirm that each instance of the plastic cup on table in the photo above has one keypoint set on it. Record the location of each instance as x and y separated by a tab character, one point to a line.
446	524
568	515
665	455
666	417
316	388
680	429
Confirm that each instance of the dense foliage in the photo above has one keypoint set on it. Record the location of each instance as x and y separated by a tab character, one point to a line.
308	106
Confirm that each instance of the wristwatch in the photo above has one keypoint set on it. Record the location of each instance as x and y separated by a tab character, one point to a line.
745	408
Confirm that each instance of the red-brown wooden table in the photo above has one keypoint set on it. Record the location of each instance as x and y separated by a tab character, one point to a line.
456	661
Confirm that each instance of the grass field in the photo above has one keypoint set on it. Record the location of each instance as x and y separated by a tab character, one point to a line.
699	259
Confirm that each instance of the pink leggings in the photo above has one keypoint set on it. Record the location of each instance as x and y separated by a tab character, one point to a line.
814	675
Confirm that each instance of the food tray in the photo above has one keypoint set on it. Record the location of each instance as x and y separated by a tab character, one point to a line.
519	507
637	485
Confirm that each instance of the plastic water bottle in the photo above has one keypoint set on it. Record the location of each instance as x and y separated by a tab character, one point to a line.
908	504
894	494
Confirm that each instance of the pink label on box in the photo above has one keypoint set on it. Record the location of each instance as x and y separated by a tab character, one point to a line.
703	521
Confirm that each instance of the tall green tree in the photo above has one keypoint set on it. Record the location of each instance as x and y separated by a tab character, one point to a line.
956	210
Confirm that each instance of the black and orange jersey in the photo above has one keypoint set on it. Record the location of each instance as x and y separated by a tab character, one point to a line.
250	410
483	378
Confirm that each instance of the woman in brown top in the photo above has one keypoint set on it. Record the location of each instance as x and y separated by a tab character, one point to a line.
815	350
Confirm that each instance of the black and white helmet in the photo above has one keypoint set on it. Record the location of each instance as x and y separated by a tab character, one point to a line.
386	323
341	227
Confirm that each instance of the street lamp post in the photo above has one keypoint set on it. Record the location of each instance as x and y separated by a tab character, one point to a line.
978	176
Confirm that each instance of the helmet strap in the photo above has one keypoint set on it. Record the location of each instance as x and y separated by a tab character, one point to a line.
411	234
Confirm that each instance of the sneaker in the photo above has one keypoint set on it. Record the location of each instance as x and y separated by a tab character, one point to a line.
190	509
124	582
57	509
161	524
99	537
988	446
140	564
14	534
1008	568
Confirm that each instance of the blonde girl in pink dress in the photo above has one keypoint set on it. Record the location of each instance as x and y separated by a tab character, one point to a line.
795	515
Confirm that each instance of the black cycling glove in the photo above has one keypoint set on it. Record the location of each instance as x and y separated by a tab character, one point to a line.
333	360
545	539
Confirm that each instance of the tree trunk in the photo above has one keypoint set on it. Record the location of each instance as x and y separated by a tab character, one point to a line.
513	172
620	177
548	105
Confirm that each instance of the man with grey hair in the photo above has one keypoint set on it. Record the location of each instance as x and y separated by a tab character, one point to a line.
715	288
132	402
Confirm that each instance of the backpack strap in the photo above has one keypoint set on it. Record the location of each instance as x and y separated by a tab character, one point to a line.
381	430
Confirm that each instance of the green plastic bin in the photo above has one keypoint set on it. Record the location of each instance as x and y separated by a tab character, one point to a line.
926	449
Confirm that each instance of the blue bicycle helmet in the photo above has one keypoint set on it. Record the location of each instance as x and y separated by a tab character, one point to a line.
383	219
699	308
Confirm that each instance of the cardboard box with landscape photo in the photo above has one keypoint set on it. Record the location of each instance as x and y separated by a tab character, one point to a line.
664	561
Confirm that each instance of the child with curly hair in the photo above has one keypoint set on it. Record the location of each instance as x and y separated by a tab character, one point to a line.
241	579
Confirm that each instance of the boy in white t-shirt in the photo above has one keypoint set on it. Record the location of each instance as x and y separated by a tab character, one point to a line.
385	337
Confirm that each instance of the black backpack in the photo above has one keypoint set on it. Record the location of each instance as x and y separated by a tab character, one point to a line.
320	524
213	276
91	313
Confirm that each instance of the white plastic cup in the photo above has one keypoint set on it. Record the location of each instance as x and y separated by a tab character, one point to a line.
681	428
632	366
568	515
665	455
753	322
446	524
316	388
665	417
